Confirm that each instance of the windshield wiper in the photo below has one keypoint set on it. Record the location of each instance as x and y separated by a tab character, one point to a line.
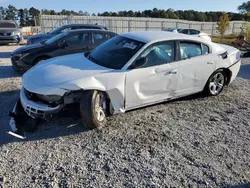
86	54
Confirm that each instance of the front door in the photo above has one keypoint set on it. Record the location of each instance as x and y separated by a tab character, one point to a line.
156	80
75	43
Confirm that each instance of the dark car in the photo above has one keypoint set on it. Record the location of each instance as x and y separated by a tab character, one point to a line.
9	32
43	37
75	41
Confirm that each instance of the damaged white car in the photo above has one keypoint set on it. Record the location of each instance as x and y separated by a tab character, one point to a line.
126	72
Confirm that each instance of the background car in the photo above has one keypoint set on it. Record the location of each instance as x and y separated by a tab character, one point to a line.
43	37
193	32
129	71
69	42
9	32
175	30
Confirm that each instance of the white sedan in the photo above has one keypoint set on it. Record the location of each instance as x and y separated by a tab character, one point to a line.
129	71
193	32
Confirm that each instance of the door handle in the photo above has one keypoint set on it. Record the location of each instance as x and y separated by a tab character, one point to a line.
210	62
173	72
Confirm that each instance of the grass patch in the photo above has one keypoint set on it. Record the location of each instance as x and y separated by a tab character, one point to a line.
225	40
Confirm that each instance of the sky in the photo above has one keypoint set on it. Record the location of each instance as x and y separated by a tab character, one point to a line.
99	6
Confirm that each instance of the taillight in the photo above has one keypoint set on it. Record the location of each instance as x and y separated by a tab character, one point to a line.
238	56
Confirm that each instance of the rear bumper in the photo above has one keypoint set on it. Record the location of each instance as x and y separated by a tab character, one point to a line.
234	70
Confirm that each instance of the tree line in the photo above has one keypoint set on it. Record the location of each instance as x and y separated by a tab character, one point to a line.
27	17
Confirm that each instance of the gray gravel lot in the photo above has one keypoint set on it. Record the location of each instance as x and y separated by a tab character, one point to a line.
191	142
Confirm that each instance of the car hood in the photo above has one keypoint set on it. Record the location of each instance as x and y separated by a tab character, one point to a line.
64	69
27	48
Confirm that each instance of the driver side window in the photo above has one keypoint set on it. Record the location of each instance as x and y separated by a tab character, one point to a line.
158	54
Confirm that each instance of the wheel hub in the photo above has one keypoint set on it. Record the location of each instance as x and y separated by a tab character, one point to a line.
100	107
217	83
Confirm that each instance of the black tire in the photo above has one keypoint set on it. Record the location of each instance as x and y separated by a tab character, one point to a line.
87	110
209	88
38	60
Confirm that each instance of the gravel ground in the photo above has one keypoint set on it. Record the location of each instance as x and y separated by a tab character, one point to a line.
192	142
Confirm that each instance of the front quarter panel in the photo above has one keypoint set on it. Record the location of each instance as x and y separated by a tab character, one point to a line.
111	82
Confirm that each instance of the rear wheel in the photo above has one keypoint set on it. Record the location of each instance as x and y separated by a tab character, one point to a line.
93	109
216	83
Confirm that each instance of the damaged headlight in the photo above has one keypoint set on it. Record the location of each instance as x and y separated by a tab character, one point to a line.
49	98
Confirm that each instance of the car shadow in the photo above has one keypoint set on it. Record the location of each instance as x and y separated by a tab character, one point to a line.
8	72
5	54
245	185
58	127
244	71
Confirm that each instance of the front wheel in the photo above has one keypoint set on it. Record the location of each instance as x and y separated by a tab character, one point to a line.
93	109
216	83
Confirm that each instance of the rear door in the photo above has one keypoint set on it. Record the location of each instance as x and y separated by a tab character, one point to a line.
197	63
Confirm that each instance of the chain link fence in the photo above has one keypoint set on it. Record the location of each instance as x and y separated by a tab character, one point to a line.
127	24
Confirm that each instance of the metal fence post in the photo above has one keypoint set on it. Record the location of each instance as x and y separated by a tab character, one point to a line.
177	24
162	25
129	26
202	27
146	25
212	29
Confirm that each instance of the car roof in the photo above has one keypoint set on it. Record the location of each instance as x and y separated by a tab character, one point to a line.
154	36
85	25
81	30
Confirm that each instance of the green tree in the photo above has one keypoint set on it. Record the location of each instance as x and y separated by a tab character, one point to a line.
11	13
2	13
21	17
34	14
223	24
244	7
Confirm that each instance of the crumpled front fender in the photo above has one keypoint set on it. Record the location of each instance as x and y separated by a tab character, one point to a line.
112	84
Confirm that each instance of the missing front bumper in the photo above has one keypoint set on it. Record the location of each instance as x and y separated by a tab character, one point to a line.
20	122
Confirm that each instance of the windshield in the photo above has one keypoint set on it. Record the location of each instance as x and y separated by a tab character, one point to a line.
116	52
7	25
55	38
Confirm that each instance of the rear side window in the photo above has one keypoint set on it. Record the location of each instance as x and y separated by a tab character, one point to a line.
205	49
189	50
79	39
184	31
99	38
194	32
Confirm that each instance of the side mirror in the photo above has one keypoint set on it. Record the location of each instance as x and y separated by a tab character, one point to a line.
139	62
62	44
